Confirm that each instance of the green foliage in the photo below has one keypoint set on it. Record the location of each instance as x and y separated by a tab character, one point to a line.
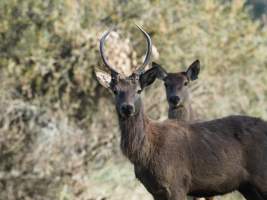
48	61
50	47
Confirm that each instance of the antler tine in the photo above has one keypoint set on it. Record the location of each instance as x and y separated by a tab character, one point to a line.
148	52
101	48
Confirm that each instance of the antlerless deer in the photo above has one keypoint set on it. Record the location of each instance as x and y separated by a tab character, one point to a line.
177	92
173	159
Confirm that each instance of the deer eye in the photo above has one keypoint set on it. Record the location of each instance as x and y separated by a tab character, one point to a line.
115	91
166	85
186	83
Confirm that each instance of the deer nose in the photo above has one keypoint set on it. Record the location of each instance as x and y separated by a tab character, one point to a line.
174	100
127	109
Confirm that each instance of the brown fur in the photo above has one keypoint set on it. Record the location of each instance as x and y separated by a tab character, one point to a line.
176	85
203	159
177	91
177	158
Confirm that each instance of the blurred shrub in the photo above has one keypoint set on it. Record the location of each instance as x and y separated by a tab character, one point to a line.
44	156
43	58
50	48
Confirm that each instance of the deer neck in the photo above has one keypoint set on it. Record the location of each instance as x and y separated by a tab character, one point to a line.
182	112
134	137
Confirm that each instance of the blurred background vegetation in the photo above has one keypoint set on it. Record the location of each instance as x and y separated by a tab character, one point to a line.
59	137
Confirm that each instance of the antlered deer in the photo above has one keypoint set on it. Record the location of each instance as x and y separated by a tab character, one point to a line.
173	159
177	92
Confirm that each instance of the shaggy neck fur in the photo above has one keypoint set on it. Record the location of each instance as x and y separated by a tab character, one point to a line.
134	137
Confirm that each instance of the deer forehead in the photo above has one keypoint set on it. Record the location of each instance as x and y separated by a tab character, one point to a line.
127	83
175	78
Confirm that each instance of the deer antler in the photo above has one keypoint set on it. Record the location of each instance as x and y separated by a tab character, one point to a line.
147	58
148	52
101	48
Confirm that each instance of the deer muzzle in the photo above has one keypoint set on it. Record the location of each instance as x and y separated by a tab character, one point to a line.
127	110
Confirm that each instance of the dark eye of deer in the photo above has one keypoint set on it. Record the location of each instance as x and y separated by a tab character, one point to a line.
115	91
139	91
166	85
186	83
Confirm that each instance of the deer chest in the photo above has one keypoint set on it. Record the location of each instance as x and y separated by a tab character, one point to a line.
151	182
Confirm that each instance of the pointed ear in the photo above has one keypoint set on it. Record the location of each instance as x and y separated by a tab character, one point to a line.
161	73
193	70
103	78
150	75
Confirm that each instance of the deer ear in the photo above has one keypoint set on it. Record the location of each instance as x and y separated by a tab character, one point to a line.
103	78
193	70
149	77
161	73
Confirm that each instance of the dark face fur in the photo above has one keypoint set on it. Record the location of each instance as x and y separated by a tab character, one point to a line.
127	90
176	84
127	95
176	87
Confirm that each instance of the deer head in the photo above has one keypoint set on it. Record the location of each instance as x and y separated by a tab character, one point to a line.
127	89
176	84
